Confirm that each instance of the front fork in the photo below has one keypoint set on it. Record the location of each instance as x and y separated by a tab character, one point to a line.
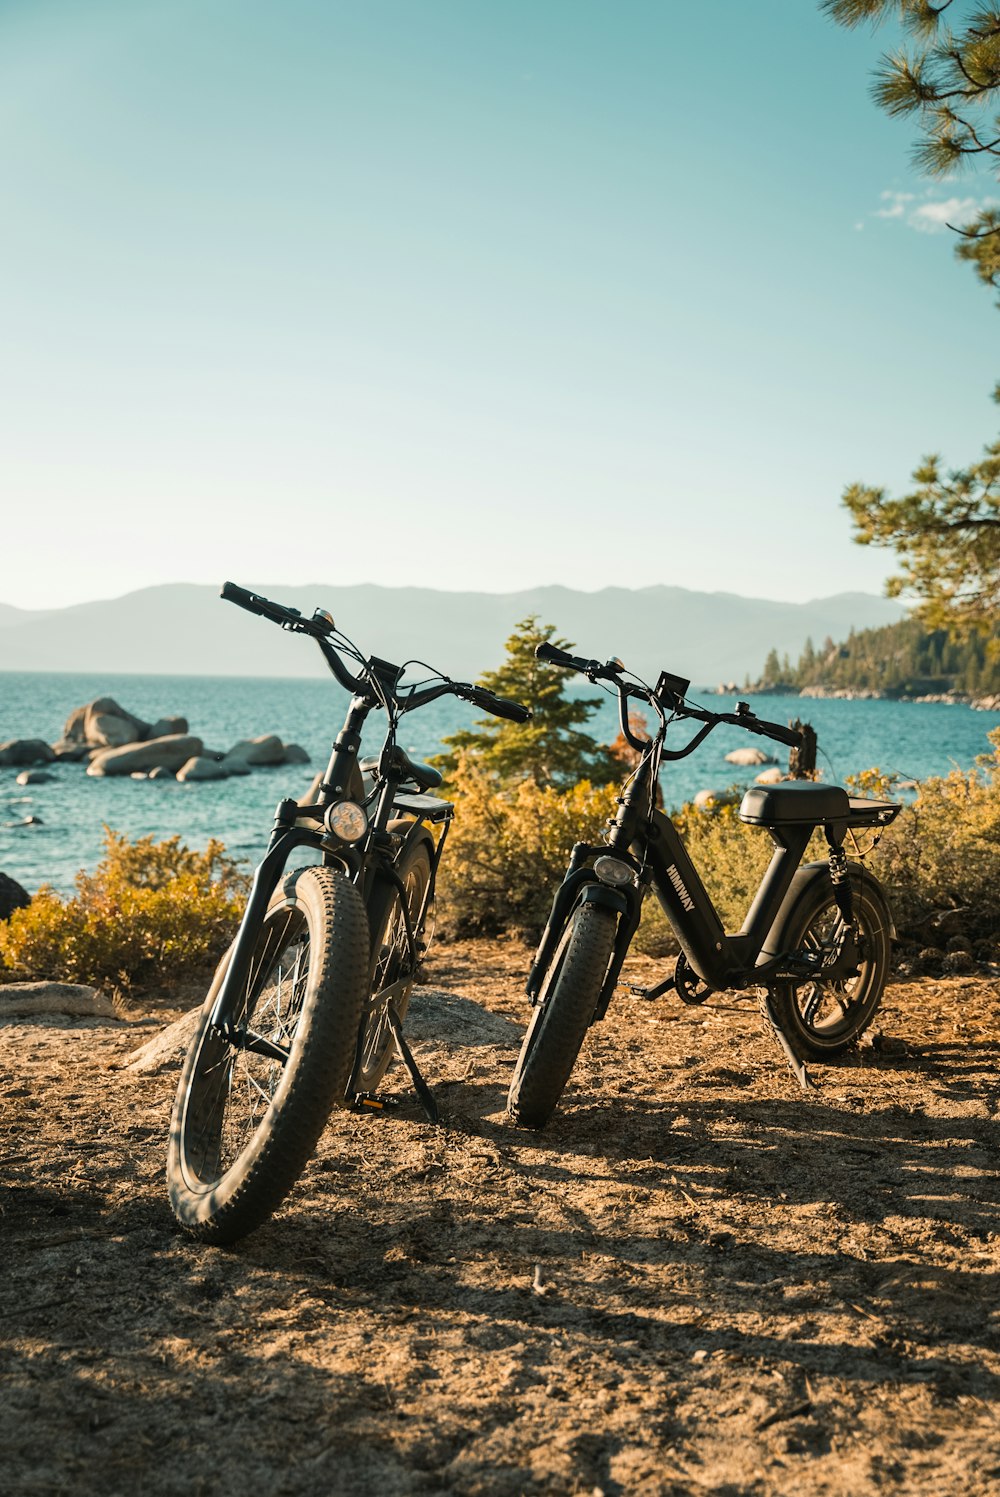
285	836
581	885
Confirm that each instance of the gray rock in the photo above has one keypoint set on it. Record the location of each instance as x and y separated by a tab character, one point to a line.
266	750
102	723
772	776
311	796
200	768
235	767
166	1050
22	999
21	752
69	754
12	896
168	753
34	777
165	726
296	754
710	800
26	821
750	756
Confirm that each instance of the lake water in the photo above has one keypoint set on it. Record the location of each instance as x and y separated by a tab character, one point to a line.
914	739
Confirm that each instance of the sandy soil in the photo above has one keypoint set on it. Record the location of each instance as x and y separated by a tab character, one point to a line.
696	1280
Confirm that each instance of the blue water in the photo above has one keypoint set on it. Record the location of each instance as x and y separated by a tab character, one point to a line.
914	739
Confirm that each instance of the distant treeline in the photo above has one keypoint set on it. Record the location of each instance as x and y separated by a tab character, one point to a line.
903	659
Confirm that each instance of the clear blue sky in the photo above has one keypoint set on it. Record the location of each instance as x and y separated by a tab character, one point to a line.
474	294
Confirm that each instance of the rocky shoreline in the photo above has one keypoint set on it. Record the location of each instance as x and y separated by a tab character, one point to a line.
114	742
989	703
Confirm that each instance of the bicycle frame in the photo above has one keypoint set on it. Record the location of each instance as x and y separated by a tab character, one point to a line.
297	825
647	840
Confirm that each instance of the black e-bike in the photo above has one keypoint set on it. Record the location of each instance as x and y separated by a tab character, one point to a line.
305	1010
815	943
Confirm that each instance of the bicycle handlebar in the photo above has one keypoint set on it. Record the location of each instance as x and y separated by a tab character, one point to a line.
611	671
321	625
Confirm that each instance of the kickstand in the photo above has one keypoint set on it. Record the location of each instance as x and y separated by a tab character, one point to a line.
420	1086
799	1071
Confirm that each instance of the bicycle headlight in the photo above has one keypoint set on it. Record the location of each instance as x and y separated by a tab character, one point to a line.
613	871
346	820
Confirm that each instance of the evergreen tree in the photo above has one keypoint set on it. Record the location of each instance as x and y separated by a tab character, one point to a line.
947	532
551	749
948	81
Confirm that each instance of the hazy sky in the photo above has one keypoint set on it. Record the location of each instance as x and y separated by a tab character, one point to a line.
467	293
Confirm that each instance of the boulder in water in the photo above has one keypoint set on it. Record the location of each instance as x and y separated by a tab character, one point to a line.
750	756
18	753
198	767
12	896
167	753
254	752
34	777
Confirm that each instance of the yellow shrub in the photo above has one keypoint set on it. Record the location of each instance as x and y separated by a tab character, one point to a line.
943	851
152	912
508	849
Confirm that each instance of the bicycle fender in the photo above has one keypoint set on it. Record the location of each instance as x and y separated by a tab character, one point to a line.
801	888
411	831
610	899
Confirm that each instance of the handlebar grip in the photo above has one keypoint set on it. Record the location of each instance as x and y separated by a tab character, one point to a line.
500	706
242	598
255	603
512	711
781	735
554	656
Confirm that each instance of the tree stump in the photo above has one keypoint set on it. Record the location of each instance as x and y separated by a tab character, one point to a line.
802	761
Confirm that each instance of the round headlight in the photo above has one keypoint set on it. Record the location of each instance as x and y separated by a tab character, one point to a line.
346	820
613	871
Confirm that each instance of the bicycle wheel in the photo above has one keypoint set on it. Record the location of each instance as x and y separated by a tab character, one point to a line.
391	970
568	999
245	1125
822	1016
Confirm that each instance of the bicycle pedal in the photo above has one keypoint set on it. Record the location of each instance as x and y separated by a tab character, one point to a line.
374	1102
648	995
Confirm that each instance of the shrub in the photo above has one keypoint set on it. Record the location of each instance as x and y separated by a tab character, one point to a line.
508	849
152	912
943	851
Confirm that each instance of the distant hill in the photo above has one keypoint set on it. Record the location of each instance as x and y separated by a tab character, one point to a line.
185	629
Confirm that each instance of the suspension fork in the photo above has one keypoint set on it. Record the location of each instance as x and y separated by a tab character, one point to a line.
581	885
284	837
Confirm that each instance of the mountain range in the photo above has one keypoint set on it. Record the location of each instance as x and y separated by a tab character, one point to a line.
185	629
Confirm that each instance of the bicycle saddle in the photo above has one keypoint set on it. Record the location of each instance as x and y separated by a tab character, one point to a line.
402	767
802	801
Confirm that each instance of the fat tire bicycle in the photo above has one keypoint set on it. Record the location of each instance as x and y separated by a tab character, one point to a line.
815	943
306	1007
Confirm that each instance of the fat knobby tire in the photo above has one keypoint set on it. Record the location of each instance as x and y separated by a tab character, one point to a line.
317	914
568	1000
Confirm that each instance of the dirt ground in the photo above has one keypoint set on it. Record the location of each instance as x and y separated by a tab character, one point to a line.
695	1280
